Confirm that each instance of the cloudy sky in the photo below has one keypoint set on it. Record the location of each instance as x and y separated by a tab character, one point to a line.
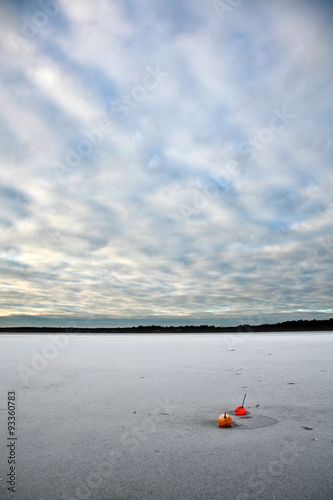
165	162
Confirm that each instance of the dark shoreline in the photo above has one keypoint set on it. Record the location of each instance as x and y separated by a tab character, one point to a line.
286	326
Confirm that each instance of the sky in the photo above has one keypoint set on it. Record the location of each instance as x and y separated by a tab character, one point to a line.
165	162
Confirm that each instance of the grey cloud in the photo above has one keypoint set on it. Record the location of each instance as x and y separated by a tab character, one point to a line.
14	204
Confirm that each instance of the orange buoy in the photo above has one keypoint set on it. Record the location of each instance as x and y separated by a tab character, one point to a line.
225	420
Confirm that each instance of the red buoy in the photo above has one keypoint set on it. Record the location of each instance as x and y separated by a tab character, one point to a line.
240	410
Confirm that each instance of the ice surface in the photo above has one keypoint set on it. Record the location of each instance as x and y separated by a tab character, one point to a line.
135	416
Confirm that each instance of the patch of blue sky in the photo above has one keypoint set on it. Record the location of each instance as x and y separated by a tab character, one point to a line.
154	157
155	151
280	226
225	186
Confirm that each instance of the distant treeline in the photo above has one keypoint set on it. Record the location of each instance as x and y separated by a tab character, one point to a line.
286	326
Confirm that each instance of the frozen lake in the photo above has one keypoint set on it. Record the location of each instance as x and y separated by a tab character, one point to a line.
135	416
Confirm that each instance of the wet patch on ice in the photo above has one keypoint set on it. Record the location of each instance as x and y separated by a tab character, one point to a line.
254	422
245	422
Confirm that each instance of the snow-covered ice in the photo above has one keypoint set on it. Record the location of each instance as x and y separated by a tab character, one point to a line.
135	416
